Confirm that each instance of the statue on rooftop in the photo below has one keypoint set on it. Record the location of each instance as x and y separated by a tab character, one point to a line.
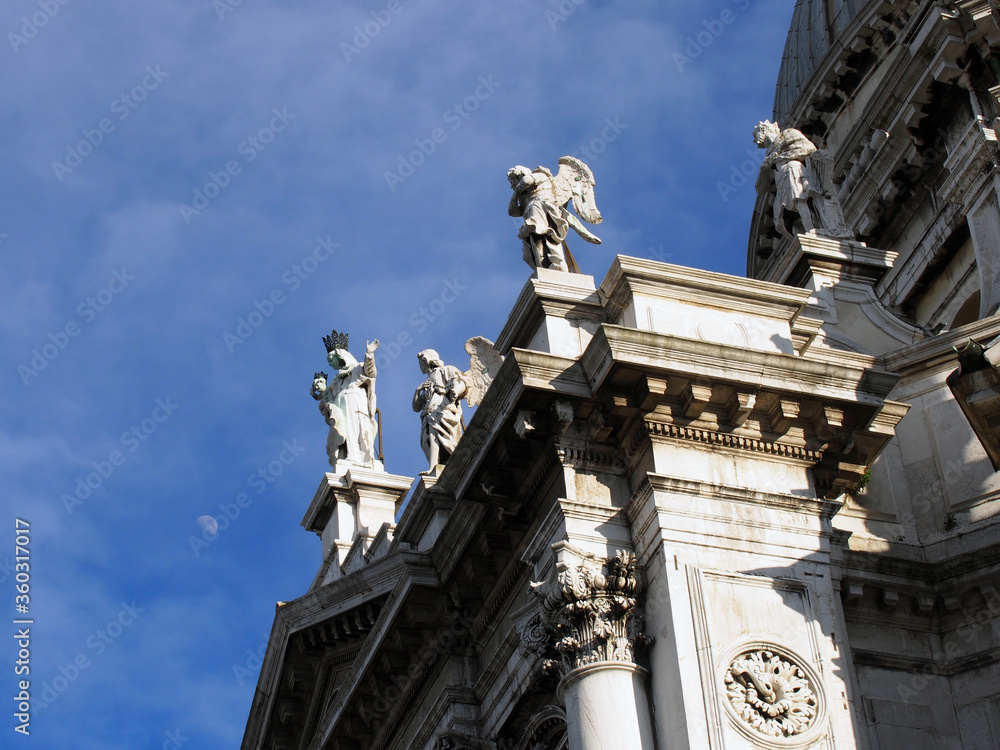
438	398
542	198
347	403
799	176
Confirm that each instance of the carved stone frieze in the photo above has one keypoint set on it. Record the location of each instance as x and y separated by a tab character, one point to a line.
770	693
729	440
588	613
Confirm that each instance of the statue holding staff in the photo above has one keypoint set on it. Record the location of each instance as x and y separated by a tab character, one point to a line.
347	403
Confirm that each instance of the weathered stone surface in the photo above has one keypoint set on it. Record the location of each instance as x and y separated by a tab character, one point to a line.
759	512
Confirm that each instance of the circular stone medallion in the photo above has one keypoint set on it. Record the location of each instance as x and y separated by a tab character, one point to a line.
772	695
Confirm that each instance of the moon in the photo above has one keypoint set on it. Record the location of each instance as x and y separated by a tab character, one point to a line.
208	525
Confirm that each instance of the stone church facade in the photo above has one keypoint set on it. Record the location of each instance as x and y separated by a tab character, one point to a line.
701	511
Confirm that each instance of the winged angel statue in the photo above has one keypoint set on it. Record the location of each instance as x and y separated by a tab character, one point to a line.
542	199
438	399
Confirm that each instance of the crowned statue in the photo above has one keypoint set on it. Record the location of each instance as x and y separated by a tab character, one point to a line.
798	177
438	398
347	403
541	198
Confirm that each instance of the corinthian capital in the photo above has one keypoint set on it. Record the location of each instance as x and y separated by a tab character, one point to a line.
589	611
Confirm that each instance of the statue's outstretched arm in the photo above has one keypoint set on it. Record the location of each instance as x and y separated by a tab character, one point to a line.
369	363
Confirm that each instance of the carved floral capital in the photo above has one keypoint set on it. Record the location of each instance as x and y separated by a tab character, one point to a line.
588	613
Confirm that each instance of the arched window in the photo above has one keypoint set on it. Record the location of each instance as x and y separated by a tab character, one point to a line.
546	730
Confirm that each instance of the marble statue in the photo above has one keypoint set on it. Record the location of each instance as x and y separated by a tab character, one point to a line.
798	174
438	398
347	403
541	198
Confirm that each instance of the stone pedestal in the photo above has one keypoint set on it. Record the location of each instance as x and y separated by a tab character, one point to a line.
607	707
349	510
557	312
841	276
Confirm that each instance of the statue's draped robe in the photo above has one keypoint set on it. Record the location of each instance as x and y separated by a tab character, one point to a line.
440	416
793	179
544	229
345	406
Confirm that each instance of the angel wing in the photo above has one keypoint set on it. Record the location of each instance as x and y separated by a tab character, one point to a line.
575	182
484	364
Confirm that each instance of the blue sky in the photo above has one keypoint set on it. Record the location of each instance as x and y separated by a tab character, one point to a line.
295	126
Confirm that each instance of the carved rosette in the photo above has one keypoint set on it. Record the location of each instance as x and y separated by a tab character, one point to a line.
589	613
771	694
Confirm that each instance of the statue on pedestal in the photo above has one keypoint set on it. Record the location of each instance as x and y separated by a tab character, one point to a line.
438	398
541	198
347	403
798	174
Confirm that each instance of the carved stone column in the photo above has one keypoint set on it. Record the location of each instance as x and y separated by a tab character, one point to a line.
589	629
